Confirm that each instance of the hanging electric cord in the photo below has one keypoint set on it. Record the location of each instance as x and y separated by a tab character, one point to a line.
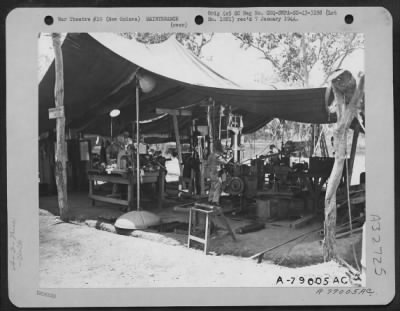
350	220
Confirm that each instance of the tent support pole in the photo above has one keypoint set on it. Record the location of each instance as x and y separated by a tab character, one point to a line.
60	163
179	149
137	148
210	128
220	124
201	158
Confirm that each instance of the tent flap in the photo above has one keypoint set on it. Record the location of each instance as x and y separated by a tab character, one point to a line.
99	76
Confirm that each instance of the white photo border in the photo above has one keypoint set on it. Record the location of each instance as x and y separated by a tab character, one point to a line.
22	28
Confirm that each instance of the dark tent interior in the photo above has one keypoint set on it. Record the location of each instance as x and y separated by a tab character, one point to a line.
99	72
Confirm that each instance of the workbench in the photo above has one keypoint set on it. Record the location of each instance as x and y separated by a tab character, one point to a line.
125	177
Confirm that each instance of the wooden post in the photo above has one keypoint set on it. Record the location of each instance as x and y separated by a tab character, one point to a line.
201	158
132	176
179	150
60	161
210	128
174	113
346	111
138	146
178	143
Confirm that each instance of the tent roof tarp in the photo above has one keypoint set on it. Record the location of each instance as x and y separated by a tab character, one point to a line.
98	77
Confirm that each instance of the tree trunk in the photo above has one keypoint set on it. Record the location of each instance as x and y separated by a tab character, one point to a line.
346	111
340	135
60	165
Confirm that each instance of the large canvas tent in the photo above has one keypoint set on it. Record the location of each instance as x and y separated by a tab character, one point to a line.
99	73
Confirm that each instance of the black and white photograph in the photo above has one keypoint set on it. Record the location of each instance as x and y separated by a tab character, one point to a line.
192	159
200	156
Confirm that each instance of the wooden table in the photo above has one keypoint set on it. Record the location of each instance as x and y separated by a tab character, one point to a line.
125	178
314	183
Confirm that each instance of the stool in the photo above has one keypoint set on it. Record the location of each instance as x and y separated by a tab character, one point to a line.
208	211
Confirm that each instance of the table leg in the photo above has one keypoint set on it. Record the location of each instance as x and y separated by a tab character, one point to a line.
206	234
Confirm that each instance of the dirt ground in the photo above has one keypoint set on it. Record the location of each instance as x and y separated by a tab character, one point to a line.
77	255
301	252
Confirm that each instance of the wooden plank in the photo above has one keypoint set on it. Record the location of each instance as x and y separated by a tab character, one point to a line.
197	239
226	223
301	222
111	179
343	234
57	112
144	179
174	112
108	200
209	207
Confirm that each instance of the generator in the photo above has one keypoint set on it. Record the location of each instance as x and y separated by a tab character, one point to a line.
240	180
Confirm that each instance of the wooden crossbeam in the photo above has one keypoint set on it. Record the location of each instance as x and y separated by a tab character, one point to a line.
174	112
